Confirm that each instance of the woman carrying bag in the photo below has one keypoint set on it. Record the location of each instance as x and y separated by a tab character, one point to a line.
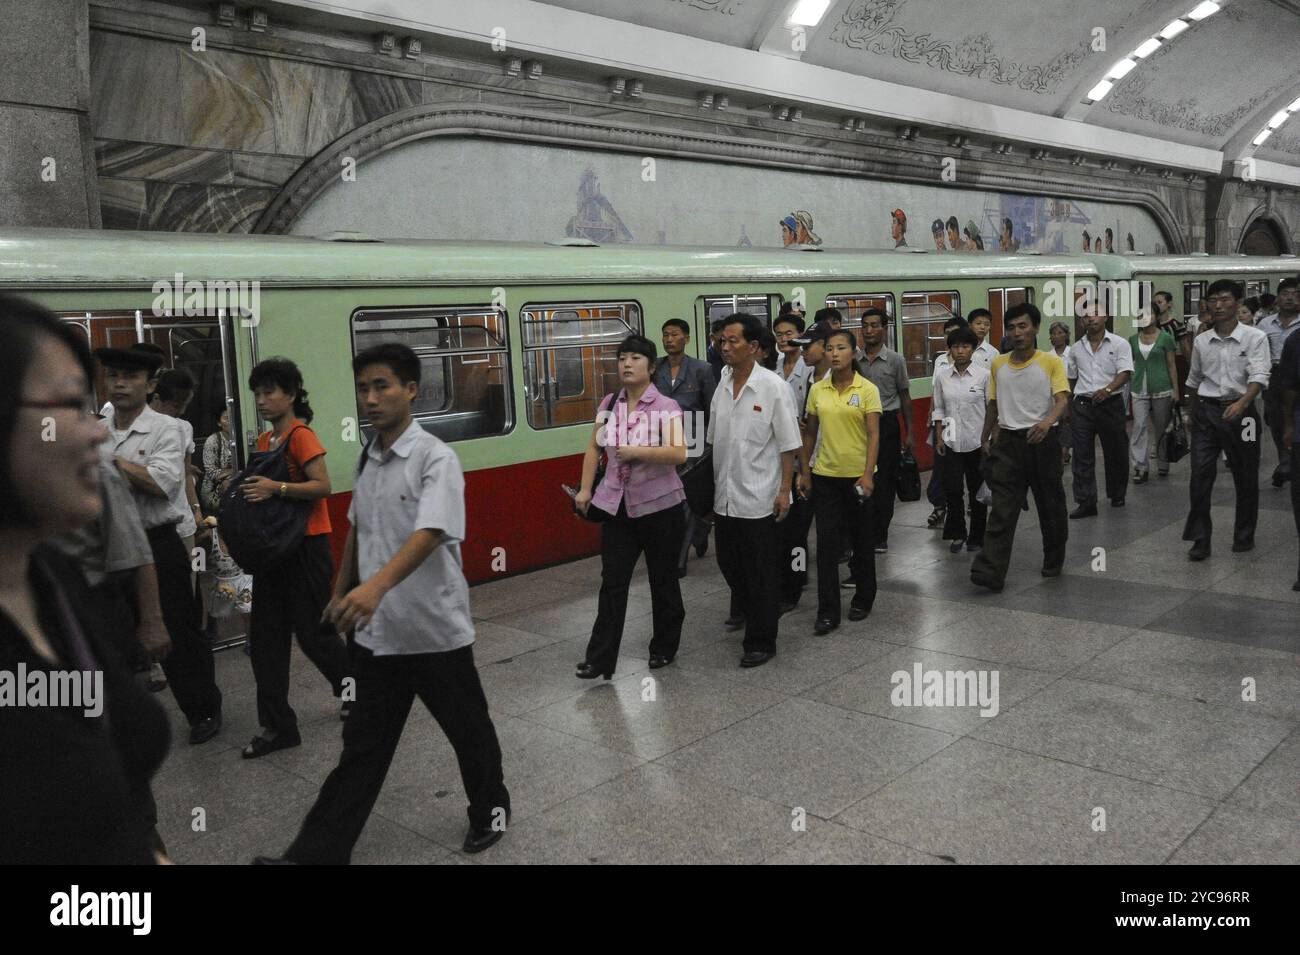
290	595
641	494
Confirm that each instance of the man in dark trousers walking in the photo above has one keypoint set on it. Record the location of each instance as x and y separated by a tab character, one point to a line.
402	588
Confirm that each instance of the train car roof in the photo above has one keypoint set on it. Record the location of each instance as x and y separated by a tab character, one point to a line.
36	258
41	257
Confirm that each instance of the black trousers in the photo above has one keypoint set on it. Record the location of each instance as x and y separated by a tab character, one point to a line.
887	464
1295	491
622	541
1275	418
794	549
748	555
959	467
841	513
935	491
1014	467
288	600
1211	435
188	666
695	532
448	684
1089	421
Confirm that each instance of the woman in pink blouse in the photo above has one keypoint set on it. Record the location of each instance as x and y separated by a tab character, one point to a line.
639	501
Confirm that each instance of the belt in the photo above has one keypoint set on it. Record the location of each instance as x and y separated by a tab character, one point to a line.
1220	402
1089	399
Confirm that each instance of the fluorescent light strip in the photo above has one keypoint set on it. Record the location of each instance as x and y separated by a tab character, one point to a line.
1261	137
1100	90
1121	69
1278	119
1294	107
1147	48
809	13
1203	10
1173	29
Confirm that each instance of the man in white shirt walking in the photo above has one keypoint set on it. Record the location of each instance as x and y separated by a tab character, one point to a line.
1230	367
1279	326
1100	364
957	410
753	430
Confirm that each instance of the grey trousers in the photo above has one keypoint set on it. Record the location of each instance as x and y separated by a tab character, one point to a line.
1150	419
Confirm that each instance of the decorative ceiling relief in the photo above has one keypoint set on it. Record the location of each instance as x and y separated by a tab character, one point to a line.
725	7
1131	98
869	25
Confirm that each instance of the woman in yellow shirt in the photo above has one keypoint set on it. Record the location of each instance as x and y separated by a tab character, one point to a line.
843	440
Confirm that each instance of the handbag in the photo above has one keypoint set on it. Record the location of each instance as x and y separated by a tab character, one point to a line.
909	478
1174	440
260	534
594	514
696	475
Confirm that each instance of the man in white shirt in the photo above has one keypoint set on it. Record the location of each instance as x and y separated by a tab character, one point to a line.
981	323
753	430
1279	326
1230	367
150	454
935	492
1099	364
957	410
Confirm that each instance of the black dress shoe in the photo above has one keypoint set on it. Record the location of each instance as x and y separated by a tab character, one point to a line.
657	661
857	613
1117	502
986	582
702	547
1240	547
1083	510
204	730
785	608
1051	571
823	626
476	840
588	671
681	572
272	860
734	623
1141	477
1200	550
755	658
956	546
262	745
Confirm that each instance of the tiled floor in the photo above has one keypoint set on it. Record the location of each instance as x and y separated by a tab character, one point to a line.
1121	733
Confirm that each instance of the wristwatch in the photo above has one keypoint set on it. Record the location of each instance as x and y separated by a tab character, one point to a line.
283	488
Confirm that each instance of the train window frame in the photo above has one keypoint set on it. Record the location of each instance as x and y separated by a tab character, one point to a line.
529	351
418	317
1254	287
927	365
838	300
1191	305
704	302
998	331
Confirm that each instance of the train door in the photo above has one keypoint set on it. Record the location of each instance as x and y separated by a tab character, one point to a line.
1001	299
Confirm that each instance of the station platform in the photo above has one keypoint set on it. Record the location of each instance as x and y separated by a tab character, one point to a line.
1121	733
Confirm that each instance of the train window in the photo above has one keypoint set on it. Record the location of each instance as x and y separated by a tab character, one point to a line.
853	304
570	358
464	376
720	306
1193	292
1256	287
924	315
1001	299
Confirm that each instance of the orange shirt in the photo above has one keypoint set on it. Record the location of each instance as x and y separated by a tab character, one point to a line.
304	447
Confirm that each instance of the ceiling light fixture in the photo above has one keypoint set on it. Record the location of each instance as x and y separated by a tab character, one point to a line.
1278	119
1172	30
1121	69
1147	48
808	13
1203	10
1258	140
1100	90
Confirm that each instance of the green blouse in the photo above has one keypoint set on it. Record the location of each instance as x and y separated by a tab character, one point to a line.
1151	374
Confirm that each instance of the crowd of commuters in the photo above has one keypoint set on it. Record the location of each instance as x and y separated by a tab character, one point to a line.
804	423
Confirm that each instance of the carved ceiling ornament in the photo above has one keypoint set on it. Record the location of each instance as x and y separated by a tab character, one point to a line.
869	25
725	7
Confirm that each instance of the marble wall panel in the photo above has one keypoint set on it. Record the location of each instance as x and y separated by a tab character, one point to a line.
135	89
43	46
174	207
123	203
163	163
28	136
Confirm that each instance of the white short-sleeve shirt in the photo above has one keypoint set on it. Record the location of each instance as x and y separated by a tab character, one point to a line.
1097	369
749	433
418	484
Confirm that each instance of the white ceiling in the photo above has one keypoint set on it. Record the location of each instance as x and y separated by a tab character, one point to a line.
1009	69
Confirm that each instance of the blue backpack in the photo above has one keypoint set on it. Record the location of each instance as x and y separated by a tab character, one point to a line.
261	534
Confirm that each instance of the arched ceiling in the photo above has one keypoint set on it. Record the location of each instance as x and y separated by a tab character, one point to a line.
1002	69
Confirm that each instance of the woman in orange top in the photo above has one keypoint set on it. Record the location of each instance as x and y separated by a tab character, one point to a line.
290	597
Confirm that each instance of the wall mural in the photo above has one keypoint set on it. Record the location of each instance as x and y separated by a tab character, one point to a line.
869	25
489	189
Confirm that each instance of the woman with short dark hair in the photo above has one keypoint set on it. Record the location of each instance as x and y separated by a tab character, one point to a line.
74	773
639	501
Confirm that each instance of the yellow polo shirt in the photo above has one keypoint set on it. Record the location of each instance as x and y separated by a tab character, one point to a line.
842	425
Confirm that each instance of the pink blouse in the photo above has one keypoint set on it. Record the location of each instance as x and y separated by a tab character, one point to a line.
642	486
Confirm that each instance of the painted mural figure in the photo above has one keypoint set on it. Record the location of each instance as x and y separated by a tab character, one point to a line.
1096	244
1007	241
1087	241
1110	240
797	229
898	228
973	243
954	234
936	230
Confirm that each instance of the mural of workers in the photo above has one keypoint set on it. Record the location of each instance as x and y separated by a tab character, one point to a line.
1110	241
1096	244
898	228
936	230
1128	242
797	229
954	234
1087	241
1007	241
973	242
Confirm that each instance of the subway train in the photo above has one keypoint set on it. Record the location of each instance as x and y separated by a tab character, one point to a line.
517	341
